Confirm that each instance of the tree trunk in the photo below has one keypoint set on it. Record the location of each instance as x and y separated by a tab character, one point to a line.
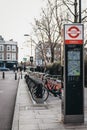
52	55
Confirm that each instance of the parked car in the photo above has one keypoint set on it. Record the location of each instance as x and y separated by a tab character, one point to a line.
4	69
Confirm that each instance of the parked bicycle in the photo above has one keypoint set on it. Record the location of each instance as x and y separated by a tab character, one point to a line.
43	94
54	86
37	89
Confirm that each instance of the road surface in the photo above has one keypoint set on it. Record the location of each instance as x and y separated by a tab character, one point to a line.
8	91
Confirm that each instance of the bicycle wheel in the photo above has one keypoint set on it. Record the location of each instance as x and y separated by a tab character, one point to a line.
33	93
45	94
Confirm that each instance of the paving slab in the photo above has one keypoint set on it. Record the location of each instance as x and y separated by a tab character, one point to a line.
29	115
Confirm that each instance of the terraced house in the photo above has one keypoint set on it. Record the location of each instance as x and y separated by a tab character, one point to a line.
8	53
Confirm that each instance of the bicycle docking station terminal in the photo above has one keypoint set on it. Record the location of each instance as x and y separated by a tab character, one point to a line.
73	97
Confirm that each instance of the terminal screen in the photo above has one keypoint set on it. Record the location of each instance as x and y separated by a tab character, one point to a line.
73	63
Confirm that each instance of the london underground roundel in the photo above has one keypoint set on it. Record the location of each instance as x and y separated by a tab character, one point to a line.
73	32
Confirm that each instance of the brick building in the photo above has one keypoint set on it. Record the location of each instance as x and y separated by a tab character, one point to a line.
8	53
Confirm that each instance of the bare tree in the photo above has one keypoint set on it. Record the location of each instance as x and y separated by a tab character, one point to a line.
48	28
73	10
40	38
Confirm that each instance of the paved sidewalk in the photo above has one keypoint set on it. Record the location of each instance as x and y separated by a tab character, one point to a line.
31	116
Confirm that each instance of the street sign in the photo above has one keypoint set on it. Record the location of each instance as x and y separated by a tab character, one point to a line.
73	34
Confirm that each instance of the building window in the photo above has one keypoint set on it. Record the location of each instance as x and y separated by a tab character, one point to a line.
13	48
8	56
1	56
8	48
1	48
13	56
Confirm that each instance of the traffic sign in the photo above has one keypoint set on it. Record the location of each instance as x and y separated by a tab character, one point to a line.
73	34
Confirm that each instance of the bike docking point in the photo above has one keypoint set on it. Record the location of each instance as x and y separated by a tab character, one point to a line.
39	101
35	89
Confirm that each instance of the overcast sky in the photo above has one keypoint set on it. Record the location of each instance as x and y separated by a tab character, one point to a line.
16	16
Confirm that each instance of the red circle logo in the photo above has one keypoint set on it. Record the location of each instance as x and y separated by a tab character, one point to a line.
73	32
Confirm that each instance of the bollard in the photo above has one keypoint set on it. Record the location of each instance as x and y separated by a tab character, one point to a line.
15	76
3	75
21	74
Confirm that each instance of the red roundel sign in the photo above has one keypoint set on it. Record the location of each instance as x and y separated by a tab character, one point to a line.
73	32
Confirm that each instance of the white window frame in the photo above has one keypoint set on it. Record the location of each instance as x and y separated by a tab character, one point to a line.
1	47
14	56
1	56
8	47
14	48
8	56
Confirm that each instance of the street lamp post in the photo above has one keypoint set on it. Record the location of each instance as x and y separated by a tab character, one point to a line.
31	57
30	41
